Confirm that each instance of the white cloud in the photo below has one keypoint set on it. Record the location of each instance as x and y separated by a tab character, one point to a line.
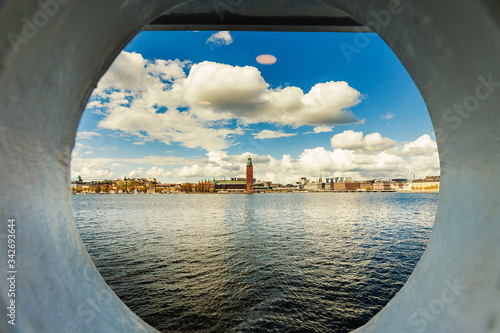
389	115
86	135
155	172
389	163
130	71
423	146
155	160
350	140
220	38
242	93
95	104
268	134
90	169
82	146
321	129
141	98
137	173
139	143
93	168
398	160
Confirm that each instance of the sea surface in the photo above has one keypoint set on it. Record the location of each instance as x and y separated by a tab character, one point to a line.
290	262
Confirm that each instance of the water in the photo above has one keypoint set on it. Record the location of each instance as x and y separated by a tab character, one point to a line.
304	262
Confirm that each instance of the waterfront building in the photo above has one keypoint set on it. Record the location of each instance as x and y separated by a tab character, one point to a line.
286	188
303	180
329	186
311	187
321	186
235	185
338	180
231	186
366	186
429	184
399	180
346	186
260	187
382	186
397	186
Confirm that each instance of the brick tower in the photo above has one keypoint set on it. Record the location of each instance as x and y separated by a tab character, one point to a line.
249	175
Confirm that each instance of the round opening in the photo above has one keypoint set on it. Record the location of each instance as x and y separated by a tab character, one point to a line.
336	227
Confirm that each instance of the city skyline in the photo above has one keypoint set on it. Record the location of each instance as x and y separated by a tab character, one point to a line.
198	110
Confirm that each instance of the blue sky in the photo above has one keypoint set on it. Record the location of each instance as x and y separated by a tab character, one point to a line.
183	106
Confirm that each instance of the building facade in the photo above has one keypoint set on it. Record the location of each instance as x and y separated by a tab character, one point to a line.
346	186
382	186
429	184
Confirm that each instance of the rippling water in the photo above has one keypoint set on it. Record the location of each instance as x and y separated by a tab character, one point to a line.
304	262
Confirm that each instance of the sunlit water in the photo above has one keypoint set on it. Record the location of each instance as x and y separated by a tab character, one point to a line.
256	263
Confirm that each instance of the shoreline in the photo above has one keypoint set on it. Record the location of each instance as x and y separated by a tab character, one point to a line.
278	192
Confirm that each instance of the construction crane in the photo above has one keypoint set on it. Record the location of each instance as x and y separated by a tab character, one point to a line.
375	174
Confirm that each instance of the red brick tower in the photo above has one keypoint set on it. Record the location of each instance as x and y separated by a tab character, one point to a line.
249	175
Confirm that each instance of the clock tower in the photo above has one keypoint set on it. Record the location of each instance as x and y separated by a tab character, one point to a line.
249	175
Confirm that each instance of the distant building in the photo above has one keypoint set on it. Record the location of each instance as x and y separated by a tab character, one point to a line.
301	183
346	186
366	186
338	180
321	185
429	184
311	187
329	186
398	186
261	186
235	185
231	186
239	179
382	186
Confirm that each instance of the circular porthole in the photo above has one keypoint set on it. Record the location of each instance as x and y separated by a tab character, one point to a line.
55	52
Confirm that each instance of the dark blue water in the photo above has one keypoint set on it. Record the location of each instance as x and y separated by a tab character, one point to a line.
304	262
